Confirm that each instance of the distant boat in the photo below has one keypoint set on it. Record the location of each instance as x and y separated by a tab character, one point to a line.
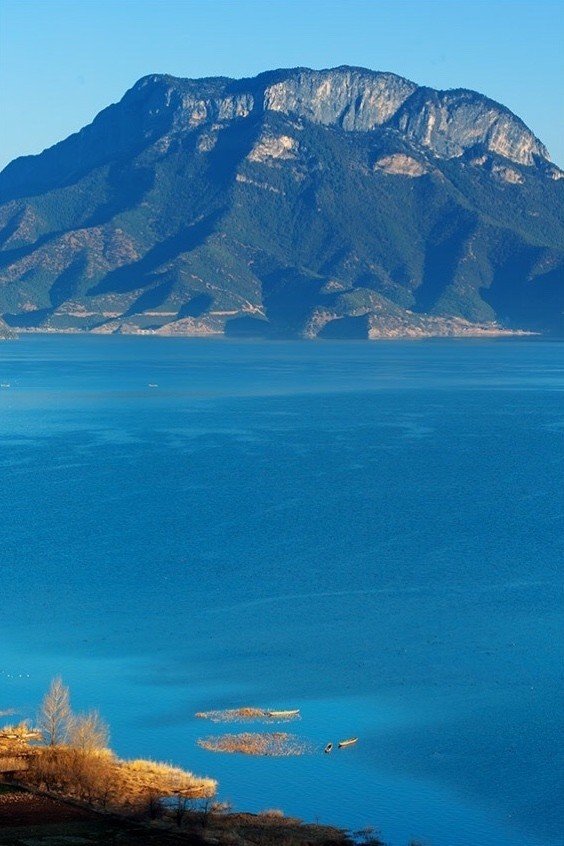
349	742
153	385
328	748
283	714
4	384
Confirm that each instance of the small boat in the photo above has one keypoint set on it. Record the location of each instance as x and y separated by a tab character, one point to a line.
328	748
349	742
283	714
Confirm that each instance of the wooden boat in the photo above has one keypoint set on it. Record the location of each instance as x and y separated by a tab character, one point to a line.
283	714
349	742
328	748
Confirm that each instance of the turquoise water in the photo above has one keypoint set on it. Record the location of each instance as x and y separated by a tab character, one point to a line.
370	532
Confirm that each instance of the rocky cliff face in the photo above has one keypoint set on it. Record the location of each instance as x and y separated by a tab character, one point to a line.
296	203
5	332
354	100
451	122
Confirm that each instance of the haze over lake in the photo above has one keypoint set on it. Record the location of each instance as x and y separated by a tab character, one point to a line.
367	532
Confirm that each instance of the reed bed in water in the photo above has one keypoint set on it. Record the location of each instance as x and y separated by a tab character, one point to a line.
244	715
274	744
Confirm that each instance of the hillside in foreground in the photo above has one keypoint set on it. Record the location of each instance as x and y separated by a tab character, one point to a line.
49	821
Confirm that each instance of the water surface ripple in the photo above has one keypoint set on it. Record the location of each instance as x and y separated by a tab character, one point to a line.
369	532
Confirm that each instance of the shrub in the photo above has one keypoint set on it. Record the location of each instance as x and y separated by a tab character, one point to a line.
88	731
85	774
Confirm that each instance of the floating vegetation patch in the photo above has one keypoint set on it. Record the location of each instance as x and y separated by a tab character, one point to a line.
247	715
274	744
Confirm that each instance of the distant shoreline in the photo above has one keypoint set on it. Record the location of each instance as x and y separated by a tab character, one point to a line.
485	334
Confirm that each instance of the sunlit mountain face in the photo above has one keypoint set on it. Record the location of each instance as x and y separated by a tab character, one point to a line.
299	203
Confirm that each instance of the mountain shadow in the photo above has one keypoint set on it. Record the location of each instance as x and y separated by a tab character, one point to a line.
153	298
249	327
138	274
127	185
195	307
442	254
28	319
526	300
289	295
346	329
67	283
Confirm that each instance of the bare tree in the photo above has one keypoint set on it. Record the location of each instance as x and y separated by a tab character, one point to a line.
88	732
206	809
369	837
181	807
55	713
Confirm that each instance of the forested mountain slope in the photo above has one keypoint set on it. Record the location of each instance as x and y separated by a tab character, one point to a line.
300	203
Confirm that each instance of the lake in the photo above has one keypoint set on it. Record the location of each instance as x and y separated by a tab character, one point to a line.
369	532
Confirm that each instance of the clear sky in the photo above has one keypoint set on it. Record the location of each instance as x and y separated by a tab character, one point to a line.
62	61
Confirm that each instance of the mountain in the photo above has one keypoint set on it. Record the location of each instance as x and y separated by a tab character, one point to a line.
299	203
5	331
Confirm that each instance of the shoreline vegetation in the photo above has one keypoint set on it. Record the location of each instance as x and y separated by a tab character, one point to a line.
441	328
61	772
248	714
272	744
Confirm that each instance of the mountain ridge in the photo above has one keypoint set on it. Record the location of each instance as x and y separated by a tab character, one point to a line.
280	75
295	203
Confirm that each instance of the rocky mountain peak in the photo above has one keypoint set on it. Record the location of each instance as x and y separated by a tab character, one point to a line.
352	98
446	123
451	122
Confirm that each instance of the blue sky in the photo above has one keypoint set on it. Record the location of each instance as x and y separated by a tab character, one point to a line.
62	61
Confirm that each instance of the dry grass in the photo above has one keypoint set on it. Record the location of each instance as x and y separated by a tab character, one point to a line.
102	780
140	777
272	830
233	715
274	744
246	714
13	737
